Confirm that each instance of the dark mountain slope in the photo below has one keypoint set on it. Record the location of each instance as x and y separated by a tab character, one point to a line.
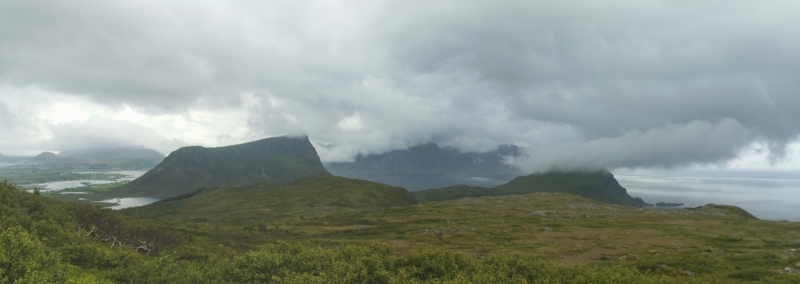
431	159
600	186
278	159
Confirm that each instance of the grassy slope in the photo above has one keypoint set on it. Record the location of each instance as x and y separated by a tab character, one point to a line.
312	196
278	159
600	186
47	241
723	243
487	239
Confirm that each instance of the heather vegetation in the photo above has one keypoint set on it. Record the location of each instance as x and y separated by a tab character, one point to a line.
48	241
337	230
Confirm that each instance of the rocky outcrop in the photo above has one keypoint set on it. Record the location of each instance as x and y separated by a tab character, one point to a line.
278	160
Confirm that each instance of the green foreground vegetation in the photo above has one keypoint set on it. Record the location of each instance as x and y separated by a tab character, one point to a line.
338	230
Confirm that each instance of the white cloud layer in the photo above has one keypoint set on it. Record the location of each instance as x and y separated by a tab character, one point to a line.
581	83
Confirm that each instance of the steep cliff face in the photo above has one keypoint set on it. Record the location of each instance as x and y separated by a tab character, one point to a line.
430	158
278	160
599	185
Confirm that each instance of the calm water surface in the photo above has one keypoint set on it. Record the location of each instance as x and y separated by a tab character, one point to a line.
768	195
130	202
61	185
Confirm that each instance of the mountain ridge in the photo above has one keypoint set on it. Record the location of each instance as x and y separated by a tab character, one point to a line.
278	159
430	158
597	185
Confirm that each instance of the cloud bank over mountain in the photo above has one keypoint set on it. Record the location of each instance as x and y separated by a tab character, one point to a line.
580	84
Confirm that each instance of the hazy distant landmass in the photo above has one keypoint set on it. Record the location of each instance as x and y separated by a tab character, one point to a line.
45	156
122	158
599	185
431	159
115	153
278	159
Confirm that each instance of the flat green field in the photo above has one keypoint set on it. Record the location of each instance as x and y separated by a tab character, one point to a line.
105	186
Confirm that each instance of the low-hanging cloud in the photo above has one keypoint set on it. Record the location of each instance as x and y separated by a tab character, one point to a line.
580	83
671	145
97	133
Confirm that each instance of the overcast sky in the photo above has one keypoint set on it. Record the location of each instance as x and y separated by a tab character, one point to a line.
628	83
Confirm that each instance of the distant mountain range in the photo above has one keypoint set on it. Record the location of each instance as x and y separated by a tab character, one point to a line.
598	185
122	158
277	160
431	159
114	153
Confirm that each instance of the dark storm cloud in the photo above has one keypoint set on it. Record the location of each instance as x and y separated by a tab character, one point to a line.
582	83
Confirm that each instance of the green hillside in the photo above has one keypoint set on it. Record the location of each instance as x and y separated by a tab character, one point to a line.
600	186
534	238
48	241
278	159
308	197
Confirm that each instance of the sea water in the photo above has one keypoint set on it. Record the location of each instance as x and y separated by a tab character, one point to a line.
61	185
120	203
768	195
